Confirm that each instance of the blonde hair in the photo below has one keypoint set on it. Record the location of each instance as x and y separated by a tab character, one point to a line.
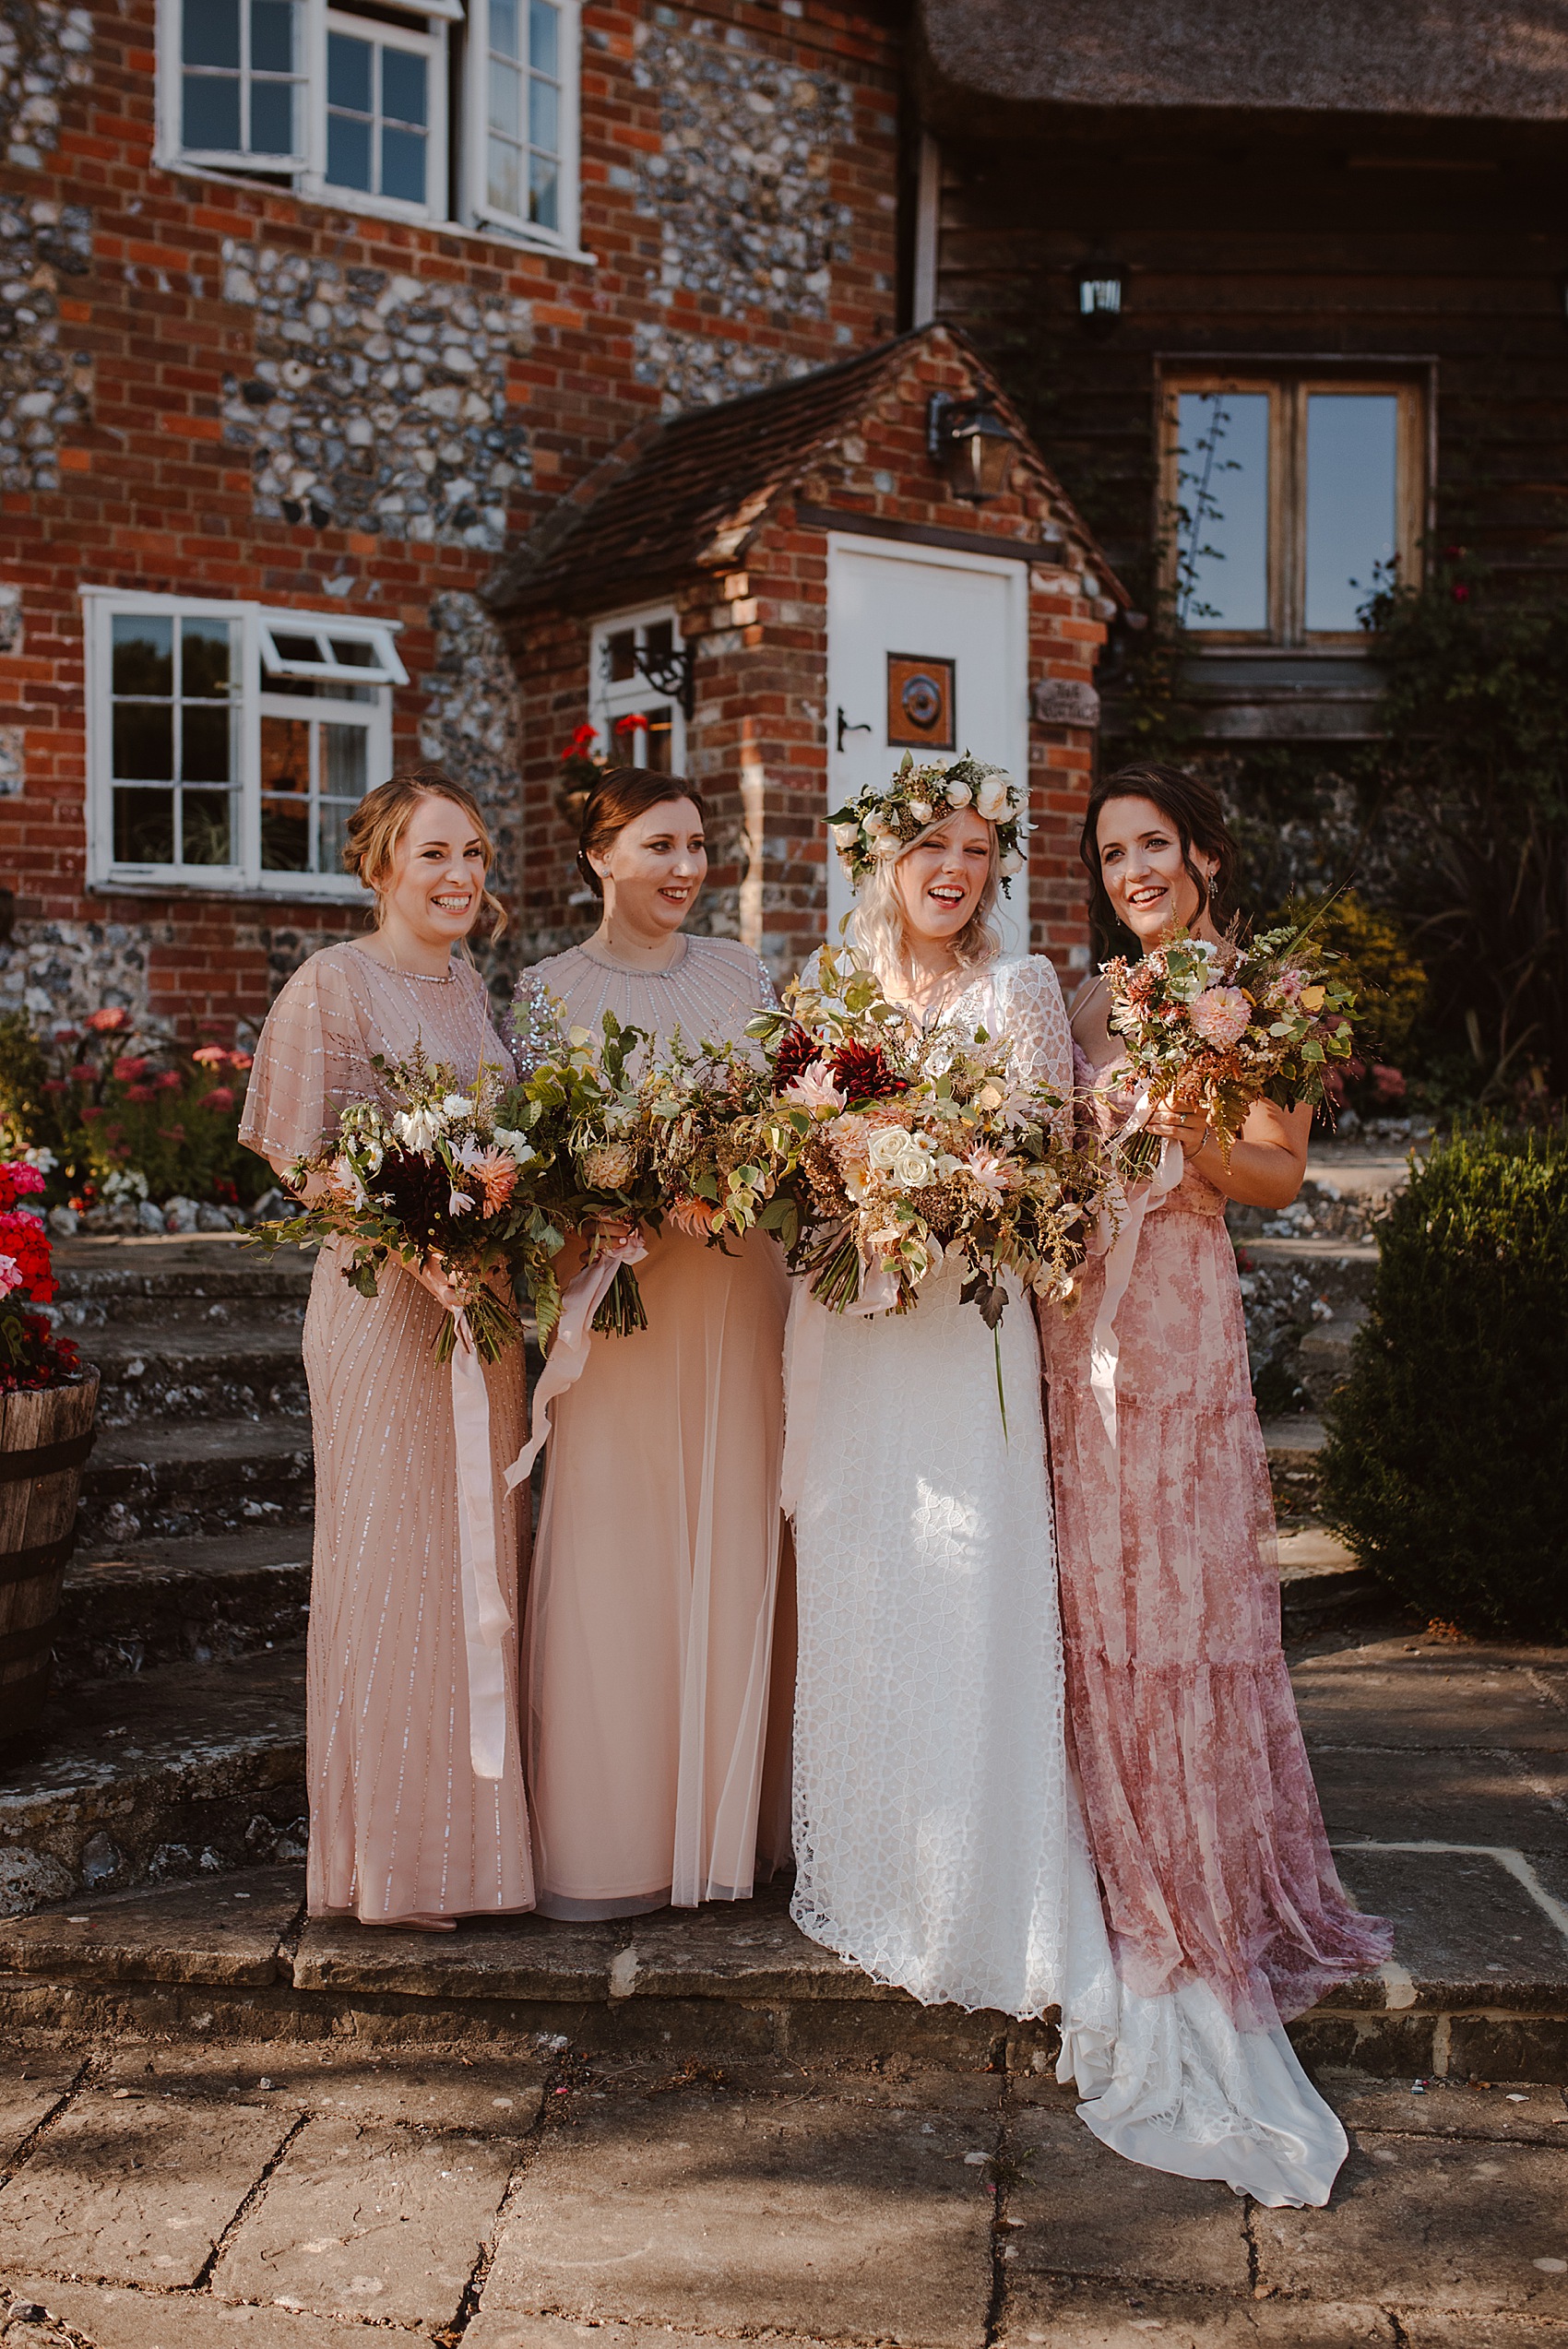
877	927
381	818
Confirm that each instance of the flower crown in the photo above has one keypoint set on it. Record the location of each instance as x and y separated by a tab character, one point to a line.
881	824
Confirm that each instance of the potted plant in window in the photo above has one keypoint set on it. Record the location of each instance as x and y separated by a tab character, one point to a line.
47	1402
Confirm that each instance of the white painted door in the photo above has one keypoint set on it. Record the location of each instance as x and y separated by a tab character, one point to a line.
926	651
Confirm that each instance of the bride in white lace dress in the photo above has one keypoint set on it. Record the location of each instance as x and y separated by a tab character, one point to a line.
937	1836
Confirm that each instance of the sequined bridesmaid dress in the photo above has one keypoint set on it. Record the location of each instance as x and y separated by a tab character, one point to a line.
649	1640
400	1827
1226	1912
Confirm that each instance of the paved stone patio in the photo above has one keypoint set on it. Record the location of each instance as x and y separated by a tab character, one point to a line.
282	2196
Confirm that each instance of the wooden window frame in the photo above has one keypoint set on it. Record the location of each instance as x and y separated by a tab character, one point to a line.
1289	390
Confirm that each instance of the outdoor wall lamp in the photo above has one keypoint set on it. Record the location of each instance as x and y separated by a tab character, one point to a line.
969	443
1101	286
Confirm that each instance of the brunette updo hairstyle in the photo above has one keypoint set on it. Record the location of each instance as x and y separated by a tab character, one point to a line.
620	796
1192	808
381	818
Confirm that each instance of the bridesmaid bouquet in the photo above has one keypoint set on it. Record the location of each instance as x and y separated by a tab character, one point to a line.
1212	1026
445	1172
597	1168
873	1152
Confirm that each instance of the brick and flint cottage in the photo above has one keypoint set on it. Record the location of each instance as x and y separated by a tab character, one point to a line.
395	379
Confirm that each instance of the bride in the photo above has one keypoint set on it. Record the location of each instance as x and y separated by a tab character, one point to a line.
937	1837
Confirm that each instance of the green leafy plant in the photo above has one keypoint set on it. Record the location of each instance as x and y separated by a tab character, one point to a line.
1449	1445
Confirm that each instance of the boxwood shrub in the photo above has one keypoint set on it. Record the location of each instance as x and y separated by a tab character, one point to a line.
1447	1467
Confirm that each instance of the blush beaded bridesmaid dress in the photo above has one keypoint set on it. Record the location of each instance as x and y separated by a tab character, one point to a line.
401	1829
647	1644
1226	1912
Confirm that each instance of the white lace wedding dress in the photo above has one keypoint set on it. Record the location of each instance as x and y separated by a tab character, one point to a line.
938	1843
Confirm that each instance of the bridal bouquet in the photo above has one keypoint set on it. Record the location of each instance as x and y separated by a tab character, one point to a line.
596	1172
874	1152
1212	1026
445	1172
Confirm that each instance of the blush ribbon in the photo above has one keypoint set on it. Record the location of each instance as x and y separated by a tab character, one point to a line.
568	1355
487	1618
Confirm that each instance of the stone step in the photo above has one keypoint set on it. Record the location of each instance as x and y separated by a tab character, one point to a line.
165	1479
239	1372
1321	1584
1293	1445
1324	1353
232	1958
178	1770
197	1601
193	1279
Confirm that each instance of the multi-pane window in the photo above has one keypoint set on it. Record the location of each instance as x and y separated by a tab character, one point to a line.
242	80
636	716
229	744
523	65
350	99
378	109
1290	501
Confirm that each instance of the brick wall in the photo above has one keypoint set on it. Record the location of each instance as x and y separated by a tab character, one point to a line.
150	437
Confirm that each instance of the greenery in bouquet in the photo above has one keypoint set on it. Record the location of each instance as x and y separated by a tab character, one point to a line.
597	1175
445	1173
873	1151
1211	1025
30	1354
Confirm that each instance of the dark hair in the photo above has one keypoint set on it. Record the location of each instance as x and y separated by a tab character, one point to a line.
1193	807
620	796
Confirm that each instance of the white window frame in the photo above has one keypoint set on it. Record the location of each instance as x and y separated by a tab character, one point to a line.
478	209
245	876
458	197
622	698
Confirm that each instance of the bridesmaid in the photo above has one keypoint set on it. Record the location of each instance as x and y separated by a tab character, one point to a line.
650	1615
401	1829
1227	1915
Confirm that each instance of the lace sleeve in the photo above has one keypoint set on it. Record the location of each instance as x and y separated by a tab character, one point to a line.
1036	1020
311	1062
533	1025
768	994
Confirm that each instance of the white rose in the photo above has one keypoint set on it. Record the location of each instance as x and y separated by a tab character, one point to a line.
992	799
454	1106
887	846
958	795
921	810
1010	862
845	835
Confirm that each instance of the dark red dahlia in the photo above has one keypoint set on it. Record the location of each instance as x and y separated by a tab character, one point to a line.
862	1073
418	1189
794	1053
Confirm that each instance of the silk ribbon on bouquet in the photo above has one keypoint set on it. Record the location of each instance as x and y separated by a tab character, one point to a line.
1119	1246
568	1355
487	1618
805	1338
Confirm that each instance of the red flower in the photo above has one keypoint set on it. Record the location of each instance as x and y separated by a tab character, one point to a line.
109	1021
170	1082
128	1070
221	1097
794	1053
1461	593
82	1072
141	1093
55	1085
94	1109
240	1060
862	1073
630	725
1388	1084
211	1056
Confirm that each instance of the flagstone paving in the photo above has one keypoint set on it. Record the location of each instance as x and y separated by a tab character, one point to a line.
184	2198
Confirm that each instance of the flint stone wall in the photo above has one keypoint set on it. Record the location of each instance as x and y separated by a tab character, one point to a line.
473	729
741	188
376	402
44	50
43	390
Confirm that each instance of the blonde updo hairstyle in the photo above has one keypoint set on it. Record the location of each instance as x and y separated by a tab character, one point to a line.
381	818
877	925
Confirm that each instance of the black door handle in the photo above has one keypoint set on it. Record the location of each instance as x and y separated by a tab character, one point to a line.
845	727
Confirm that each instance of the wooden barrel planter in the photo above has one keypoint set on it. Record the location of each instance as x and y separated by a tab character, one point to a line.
45	1435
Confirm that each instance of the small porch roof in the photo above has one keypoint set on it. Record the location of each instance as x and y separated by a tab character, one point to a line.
690	493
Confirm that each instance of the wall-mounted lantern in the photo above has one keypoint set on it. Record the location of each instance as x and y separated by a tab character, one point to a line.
1102	289
969	443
